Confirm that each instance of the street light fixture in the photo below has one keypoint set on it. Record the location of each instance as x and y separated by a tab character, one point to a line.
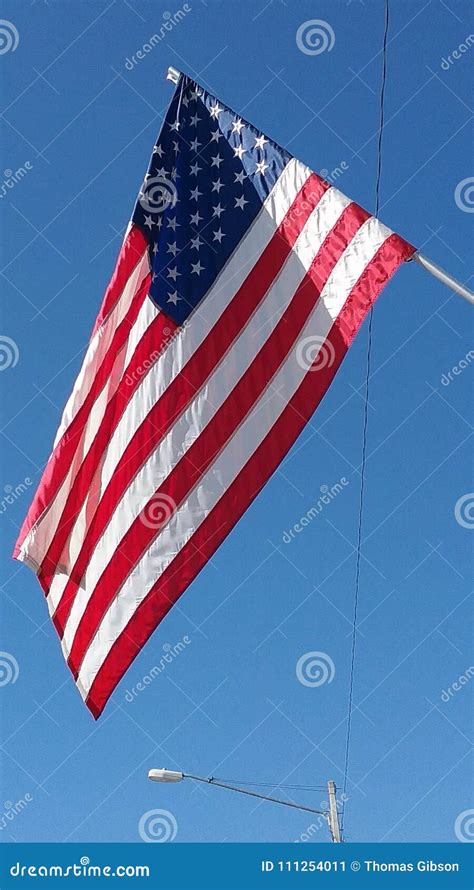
168	775
165	775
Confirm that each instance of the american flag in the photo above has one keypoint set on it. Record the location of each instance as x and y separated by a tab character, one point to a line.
241	282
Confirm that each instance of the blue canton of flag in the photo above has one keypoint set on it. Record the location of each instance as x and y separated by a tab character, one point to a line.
209	175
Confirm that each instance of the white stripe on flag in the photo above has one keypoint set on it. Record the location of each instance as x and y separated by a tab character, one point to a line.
206	403
99	345
238	450
38	539
190	337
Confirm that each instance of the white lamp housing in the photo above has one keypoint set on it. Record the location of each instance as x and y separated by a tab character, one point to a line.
165	775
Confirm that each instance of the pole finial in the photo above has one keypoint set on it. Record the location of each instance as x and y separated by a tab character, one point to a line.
173	75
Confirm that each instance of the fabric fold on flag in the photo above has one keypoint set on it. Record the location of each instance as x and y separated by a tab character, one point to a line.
242	280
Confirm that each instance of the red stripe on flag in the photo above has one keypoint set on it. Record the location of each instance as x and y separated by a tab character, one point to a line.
193	376
131	252
250	480
156	338
214	437
60	460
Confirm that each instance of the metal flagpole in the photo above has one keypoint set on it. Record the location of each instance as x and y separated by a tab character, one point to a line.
431	267
443	276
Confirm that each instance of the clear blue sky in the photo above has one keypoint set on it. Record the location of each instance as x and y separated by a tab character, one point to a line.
231	704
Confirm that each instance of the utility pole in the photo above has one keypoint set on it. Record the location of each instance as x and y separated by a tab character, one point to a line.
333	817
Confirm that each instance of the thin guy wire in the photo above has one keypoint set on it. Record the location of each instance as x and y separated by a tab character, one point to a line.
365	423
